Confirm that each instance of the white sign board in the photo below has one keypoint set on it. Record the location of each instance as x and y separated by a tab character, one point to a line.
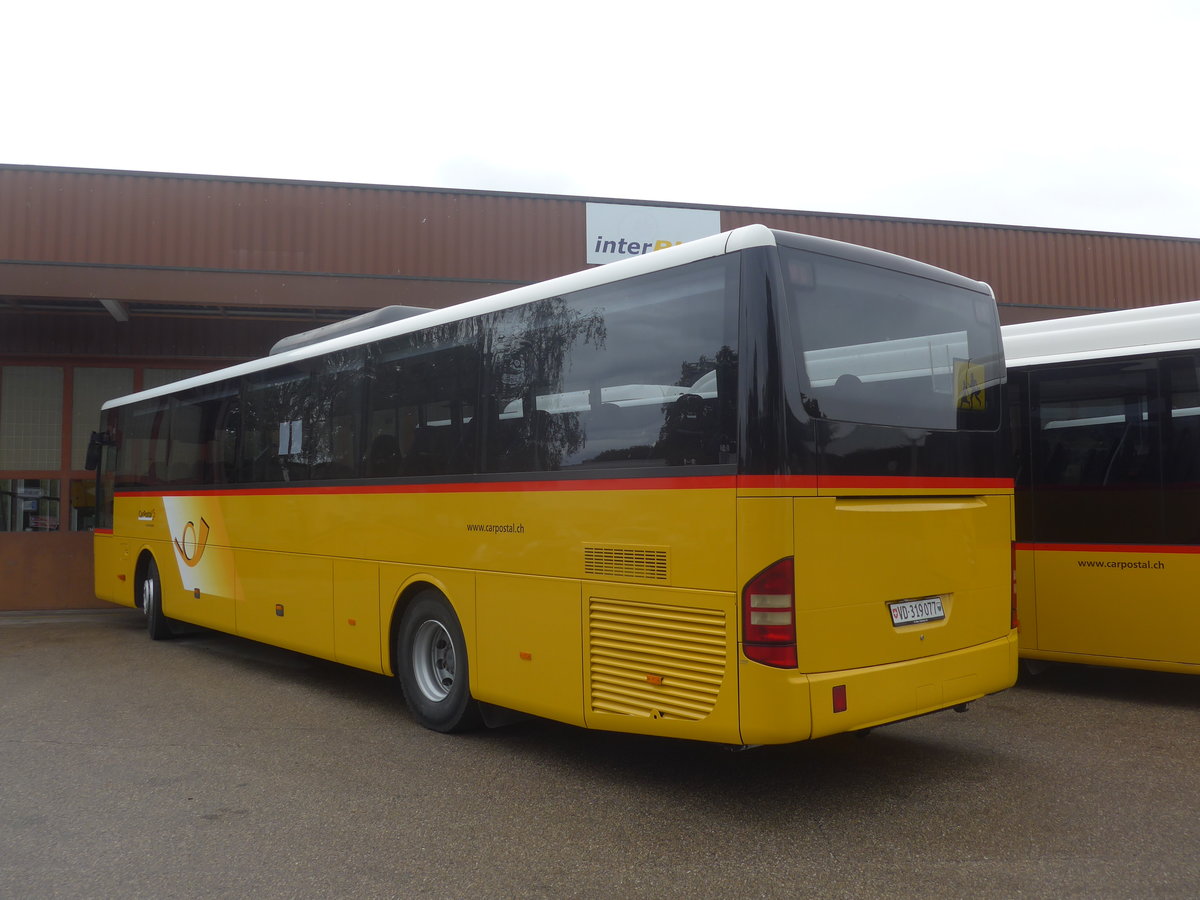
615	231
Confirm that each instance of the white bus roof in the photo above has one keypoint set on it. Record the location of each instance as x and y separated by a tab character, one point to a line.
1124	332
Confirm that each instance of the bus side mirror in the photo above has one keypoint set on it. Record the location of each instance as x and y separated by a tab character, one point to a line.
98	441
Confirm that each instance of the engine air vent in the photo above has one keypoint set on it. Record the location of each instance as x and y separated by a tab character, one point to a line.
655	661
627	563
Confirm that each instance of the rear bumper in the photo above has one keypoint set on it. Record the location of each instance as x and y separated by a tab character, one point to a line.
802	707
882	694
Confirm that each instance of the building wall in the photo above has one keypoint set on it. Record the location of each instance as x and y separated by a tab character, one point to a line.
179	239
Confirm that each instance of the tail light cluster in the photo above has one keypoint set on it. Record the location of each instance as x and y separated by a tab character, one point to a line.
769	616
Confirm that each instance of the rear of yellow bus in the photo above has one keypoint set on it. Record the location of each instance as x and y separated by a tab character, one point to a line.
874	502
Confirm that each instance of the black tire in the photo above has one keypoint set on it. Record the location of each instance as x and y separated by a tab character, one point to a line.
158	626
431	663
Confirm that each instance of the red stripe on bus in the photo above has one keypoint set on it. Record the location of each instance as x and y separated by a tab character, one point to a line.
1108	548
778	482
876	482
102	531
608	484
871	482
716	482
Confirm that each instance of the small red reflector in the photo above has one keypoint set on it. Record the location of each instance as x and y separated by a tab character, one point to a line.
352	622
120	578
525	654
654	679
839	698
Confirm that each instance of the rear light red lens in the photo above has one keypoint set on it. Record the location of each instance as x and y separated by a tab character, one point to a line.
769	616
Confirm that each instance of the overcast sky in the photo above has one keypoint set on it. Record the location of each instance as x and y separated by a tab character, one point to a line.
1067	114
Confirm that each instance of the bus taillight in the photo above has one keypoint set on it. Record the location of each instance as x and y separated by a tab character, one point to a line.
769	616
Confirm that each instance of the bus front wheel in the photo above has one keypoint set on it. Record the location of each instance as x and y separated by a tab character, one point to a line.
158	626
431	662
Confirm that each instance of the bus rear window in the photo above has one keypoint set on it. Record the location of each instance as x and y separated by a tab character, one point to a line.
888	348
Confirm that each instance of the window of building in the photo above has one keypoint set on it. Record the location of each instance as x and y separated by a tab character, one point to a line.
31	418
29	504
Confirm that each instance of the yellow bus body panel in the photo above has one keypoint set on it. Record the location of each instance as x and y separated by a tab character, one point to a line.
527	641
852	556
855	556
613	608
356	614
112	583
1132	607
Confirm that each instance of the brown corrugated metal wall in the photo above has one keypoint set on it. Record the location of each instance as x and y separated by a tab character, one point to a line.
197	223
125	219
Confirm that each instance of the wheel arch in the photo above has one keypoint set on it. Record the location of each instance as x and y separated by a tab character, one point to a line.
410	589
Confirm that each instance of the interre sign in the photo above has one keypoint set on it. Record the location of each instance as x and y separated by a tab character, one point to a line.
615	231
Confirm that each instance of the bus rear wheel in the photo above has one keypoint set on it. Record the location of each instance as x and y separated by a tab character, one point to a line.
158	626
431	663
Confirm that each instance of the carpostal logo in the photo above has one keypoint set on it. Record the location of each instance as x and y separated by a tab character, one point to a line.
200	545
191	542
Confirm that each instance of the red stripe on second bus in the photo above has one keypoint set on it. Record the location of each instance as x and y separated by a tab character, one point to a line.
1108	548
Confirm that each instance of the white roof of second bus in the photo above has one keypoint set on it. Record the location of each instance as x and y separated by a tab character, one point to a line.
1125	332
703	248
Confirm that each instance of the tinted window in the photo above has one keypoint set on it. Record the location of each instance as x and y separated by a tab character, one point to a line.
301	422
1181	449
640	373
886	348
1095	454
421	416
203	436
141	443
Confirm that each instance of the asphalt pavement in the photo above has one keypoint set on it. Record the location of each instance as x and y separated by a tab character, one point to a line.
210	766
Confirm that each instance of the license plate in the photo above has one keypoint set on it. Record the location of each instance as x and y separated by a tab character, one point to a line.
914	612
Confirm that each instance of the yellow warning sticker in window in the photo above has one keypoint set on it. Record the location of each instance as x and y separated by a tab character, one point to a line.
968	385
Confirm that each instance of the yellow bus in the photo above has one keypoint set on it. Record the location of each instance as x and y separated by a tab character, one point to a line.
751	489
1105	415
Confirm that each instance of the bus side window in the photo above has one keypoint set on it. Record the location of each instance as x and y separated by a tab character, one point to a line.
421	406
1097	454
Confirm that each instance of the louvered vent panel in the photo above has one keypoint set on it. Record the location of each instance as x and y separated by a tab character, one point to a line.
627	563
655	661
